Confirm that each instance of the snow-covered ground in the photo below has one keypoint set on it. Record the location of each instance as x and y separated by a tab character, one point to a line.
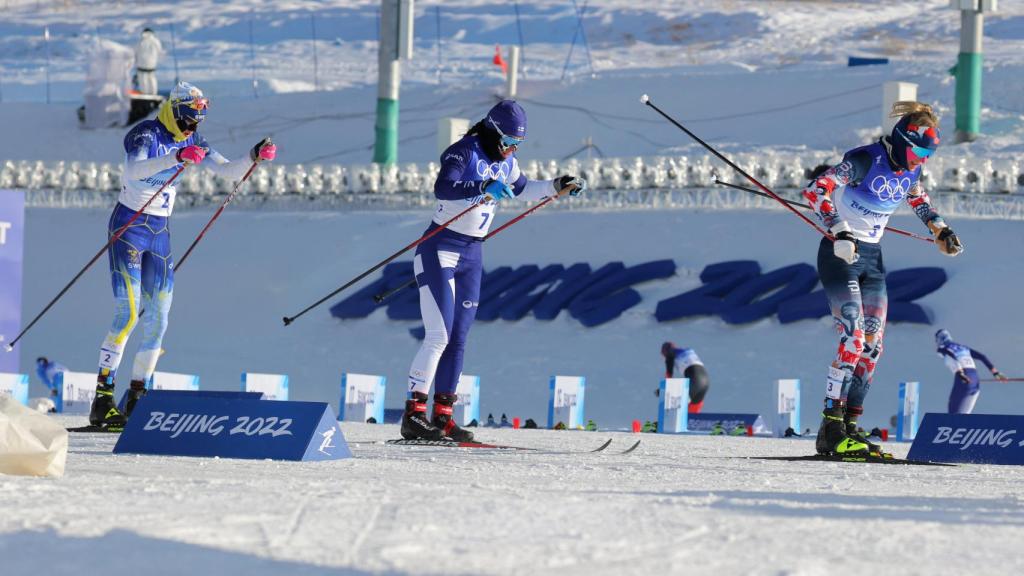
753	77
677	505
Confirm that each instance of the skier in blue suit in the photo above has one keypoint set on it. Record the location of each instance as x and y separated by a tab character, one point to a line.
481	166
854	201
47	371
960	360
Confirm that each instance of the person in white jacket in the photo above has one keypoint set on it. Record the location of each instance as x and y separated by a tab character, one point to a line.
147	55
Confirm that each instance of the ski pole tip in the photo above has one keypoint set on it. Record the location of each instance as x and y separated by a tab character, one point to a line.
9	347
287	320
644	99
378	299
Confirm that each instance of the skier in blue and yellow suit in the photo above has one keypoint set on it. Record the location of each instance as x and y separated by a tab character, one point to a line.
141	266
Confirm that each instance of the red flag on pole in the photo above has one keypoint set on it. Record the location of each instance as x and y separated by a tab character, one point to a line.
499	61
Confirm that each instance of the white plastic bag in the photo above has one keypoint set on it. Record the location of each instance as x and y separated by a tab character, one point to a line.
31	444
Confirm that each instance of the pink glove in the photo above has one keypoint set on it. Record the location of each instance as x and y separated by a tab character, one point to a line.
265	150
192	154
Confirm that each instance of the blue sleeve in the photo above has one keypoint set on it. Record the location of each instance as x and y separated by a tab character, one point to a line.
449	185
41	372
859	165
200	141
138	143
520	184
979	356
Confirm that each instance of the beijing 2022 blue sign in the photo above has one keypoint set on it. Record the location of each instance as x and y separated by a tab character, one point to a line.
736	291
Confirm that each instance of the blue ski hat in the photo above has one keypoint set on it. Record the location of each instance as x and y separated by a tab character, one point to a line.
943	337
913	140
509	119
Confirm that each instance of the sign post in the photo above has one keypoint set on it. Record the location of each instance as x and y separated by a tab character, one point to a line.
673	405
566	403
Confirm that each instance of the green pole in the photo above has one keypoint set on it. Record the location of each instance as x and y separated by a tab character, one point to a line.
968	76
385	147
389	80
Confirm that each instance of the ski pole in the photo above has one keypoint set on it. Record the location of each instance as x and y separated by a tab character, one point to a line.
999	380
288	320
646	100
389	293
110	241
216	214
807	206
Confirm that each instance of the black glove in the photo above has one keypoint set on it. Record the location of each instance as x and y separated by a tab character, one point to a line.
577	185
948	243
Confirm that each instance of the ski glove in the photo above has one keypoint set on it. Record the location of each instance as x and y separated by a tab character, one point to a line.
845	247
192	154
577	184
999	376
497	190
948	243
265	150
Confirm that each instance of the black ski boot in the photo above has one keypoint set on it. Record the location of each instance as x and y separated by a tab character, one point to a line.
855	432
832	437
415	425
443	418
104	411
137	390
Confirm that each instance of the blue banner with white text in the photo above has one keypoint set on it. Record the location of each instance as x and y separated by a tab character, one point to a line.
969	438
175	423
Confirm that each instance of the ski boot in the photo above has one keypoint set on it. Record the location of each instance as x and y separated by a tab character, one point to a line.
856	433
137	390
104	411
443	418
832	437
414	422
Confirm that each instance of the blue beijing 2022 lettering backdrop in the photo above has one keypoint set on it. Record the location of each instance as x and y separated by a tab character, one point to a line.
737	291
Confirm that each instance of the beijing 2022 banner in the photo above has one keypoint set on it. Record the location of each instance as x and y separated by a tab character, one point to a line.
12	248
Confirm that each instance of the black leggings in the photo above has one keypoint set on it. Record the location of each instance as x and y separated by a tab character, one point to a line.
699	383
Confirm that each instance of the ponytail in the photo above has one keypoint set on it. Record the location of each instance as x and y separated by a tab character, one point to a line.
919	113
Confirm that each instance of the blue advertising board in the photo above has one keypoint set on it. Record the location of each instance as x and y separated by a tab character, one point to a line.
173	423
12	250
705	421
969	438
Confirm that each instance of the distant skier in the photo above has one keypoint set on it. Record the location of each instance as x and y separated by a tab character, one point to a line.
147	54
686	362
479	167
960	360
140	261
854	201
47	371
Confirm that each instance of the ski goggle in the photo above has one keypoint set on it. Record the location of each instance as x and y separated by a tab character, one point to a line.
920	153
505	141
198	103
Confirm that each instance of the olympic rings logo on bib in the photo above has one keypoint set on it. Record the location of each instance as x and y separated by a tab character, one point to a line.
497	171
890	190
